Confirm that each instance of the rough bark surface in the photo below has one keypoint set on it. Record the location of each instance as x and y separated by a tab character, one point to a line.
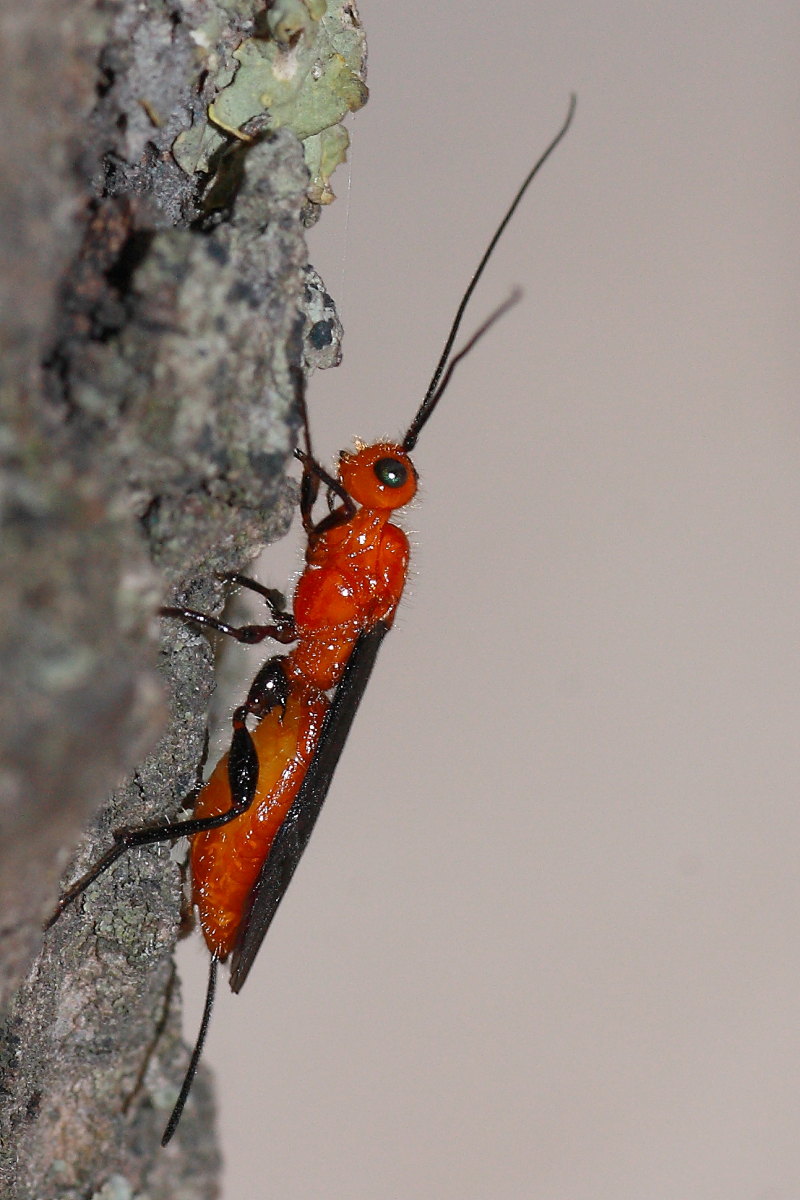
150	318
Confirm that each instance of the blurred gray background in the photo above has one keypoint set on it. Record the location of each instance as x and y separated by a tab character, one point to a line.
546	940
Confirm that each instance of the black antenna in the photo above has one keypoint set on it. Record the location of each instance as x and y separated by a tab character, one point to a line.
435	389
194	1061
410	440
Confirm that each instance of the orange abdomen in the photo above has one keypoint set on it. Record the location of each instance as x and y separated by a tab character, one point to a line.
226	862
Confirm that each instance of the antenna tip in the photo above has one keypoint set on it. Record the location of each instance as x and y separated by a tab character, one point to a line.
573	104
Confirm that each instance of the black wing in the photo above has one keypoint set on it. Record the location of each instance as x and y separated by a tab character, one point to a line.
292	837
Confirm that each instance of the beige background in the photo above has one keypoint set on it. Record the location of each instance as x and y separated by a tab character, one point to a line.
546	940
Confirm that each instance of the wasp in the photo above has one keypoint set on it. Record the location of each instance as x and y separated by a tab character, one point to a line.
254	816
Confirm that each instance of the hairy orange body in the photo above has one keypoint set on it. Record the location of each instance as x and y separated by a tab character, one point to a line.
354	577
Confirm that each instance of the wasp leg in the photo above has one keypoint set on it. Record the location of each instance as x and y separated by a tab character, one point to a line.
273	596
282	631
269	689
313	475
242	779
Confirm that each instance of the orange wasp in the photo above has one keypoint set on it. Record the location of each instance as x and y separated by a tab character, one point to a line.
254	816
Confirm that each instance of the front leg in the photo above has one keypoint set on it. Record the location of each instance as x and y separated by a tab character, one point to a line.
314	474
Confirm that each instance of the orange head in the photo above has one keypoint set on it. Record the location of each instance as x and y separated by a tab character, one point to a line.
379	476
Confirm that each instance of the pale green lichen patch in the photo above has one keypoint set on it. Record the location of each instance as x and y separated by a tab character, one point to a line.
305	76
287	19
323	153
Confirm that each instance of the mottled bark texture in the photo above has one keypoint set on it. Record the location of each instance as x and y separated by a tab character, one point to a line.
150	318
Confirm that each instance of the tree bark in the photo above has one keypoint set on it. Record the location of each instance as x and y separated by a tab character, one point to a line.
151	317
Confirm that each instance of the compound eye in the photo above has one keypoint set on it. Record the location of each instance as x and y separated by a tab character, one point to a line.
390	472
